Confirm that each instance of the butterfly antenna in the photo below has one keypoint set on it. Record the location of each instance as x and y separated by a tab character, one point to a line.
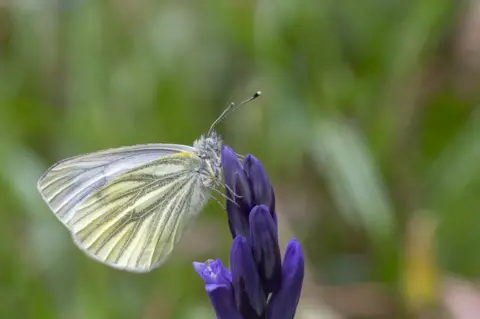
230	109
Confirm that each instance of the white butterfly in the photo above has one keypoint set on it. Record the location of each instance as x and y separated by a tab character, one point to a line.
127	207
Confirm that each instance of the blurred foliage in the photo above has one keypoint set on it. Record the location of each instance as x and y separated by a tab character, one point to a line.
369	119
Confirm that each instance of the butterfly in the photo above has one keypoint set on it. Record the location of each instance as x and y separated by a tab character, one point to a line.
128	207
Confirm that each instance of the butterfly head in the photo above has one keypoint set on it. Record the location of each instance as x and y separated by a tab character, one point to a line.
208	150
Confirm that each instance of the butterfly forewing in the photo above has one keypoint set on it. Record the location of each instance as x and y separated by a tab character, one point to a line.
68	183
134	221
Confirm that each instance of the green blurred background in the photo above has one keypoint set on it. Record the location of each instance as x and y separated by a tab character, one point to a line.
368	127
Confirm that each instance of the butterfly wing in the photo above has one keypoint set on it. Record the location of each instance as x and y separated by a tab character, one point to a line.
134	221
68	183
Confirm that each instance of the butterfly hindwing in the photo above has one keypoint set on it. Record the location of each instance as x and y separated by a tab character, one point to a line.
134	221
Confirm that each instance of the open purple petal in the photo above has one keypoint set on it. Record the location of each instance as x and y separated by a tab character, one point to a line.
199	268
213	272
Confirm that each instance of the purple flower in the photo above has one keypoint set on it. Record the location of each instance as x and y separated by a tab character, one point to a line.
264	244
283	304
218	284
250	186
259	286
249	295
